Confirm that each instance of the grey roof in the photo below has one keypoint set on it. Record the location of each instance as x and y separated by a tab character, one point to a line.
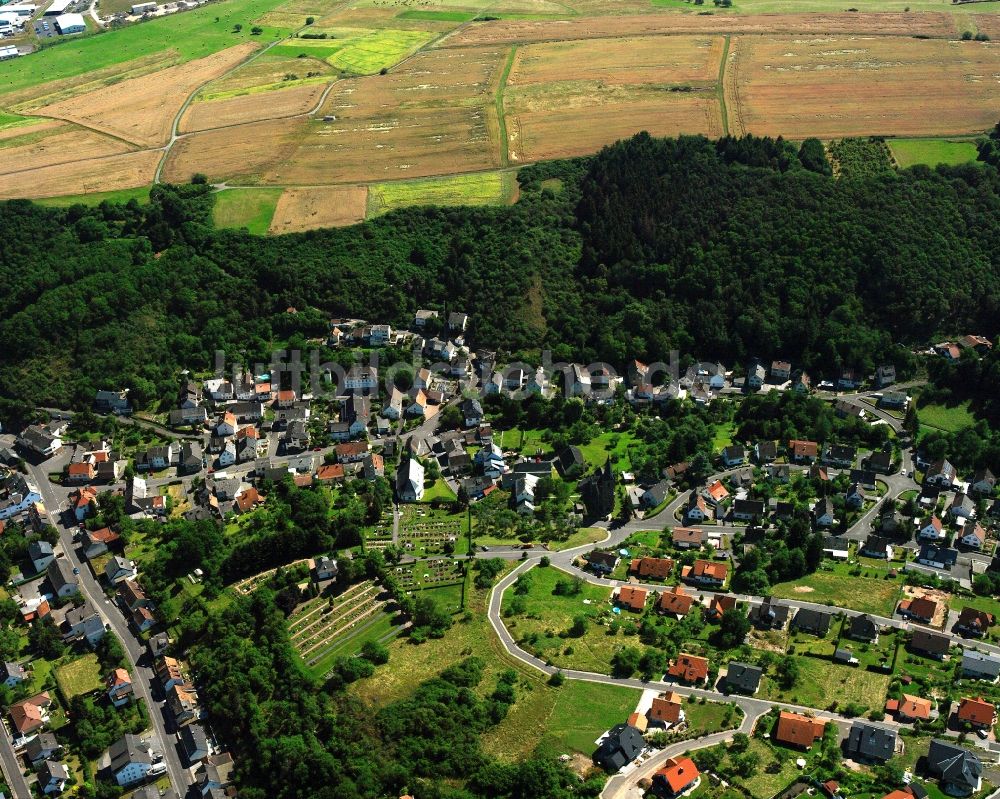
863	627
41	743
769	614
128	749
929	642
981	663
622	745
812	621
842	655
61	573
954	764
52	770
194	739
39	549
743	677
80	614
870	741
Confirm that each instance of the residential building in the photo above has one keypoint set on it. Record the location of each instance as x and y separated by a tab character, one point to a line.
815	622
769	615
911	708
863	628
980	665
83	623
958	770
941	474
620	747
870	743
97	542
707	573
675	601
678	776
30	715
40	554
12	673
688	537
119	687
979	713
803	451
972	622
182	702
52	777
920	609
194	742
688	669
667	709
930	644
794	729
42	747
632	598
651	568
733	455
742	678
64	582
119	569
131	759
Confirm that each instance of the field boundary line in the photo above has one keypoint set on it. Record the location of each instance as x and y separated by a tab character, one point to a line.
720	86
498	101
175	124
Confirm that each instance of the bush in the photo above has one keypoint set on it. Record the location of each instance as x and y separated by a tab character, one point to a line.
557	679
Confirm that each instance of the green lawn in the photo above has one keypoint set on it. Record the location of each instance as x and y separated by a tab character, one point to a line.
122	196
249	208
184	37
764	783
932	152
547	618
439	490
723	436
478	188
608	444
838	587
582	711
585	535
950	418
79	676
822	683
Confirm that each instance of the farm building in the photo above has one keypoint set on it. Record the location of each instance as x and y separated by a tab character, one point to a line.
70	23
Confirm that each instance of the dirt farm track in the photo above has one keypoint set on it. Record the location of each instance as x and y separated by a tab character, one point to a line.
387	95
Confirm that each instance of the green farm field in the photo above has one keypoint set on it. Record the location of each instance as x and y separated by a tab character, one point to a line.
249	208
123	196
359	51
480	188
177	38
932	152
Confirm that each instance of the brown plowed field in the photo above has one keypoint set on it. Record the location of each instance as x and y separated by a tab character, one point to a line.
55	146
853	86
524	31
633	60
326	206
83	177
141	110
429	117
205	115
243	152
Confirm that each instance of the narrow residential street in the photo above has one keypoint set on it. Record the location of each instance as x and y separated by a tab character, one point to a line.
12	767
135	650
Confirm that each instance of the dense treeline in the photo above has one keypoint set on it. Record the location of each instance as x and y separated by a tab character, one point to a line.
294	739
730	249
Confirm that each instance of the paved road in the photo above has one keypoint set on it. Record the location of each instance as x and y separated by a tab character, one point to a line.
619	785
12	767
111	615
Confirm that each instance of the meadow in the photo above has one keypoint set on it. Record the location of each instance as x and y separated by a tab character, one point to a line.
932	152
79	676
249	208
479	188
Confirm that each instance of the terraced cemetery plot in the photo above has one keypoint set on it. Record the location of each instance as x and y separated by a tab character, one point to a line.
430	573
316	626
858	86
141	110
251	584
113	173
327	206
603	90
297	99
429	117
430	538
525	31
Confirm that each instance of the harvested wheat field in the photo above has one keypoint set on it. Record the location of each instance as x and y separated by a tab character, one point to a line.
430	117
252	107
141	110
36	128
634	60
266	72
988	24
127	171
242	151
853	86
56	145
581	118
327	206
518	31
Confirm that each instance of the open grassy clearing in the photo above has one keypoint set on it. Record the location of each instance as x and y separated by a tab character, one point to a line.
140	194
79	676
932	152
764	783
178	37
823	682
582	711
249	208
833	87
481	188
950	418
834	585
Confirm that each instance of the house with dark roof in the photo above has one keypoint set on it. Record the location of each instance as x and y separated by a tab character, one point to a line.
765	451
601	562
870	743
656	494
733	455
937	557
930	644
742	678
876	546
863	628
620	746
814	622
52	777
769	615
42	747
973	622
958	770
